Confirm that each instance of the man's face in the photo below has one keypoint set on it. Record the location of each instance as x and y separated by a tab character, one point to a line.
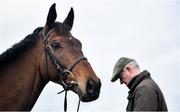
123	76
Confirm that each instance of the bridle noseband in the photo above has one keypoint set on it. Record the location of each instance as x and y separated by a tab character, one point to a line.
62	72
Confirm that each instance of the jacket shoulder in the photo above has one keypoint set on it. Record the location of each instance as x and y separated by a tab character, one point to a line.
149	83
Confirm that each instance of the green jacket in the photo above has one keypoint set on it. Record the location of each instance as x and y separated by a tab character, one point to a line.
145	94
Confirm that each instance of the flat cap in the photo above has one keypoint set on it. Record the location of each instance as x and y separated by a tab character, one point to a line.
119	66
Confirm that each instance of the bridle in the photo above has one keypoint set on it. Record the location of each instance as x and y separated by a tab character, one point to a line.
62	72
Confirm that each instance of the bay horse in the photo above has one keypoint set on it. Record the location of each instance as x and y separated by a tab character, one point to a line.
50	53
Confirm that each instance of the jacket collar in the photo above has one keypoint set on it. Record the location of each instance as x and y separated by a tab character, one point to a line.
137	79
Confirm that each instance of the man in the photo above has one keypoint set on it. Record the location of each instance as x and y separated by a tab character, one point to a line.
144	94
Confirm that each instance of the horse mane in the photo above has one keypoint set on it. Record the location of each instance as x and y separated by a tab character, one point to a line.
28	42
16	50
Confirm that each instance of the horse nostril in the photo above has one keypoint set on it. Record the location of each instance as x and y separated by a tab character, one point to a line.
90	87
93	87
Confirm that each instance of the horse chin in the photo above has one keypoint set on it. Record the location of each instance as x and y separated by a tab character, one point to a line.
85	97
89	98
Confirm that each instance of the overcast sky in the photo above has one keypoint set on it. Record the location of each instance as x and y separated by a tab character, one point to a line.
146	30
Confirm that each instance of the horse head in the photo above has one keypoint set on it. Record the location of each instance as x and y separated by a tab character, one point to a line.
63	61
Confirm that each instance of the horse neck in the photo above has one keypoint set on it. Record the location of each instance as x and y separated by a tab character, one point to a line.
21	82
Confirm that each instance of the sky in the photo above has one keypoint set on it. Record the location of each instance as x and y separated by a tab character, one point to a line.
146	30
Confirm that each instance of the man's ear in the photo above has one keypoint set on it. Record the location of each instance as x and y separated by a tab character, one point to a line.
69	19
51	17
128	68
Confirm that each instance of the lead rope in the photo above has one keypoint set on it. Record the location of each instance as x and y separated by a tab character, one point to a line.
78	105
65	101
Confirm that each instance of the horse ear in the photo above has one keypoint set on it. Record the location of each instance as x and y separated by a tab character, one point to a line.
69	19
51	17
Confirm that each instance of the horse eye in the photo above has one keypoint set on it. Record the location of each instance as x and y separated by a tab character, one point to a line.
55	45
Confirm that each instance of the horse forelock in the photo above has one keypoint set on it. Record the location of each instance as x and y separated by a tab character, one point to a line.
62	29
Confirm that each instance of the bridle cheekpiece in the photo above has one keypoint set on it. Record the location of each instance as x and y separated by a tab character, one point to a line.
62	72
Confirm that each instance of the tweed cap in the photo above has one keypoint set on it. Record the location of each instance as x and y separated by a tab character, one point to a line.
119	66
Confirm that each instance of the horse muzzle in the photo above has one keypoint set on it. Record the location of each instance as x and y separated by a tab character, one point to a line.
92	91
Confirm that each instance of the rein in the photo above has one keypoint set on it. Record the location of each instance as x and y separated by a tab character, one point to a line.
61	71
